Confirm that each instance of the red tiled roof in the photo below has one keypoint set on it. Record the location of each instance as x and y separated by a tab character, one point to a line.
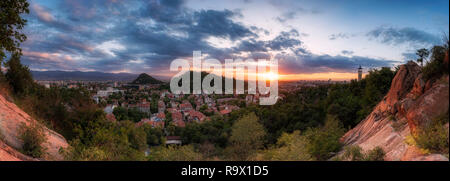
161	115
225	111
200	116
111	117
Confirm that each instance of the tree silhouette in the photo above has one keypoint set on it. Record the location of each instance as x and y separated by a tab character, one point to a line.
423	54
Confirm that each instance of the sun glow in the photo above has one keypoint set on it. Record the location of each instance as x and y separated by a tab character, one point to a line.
270	76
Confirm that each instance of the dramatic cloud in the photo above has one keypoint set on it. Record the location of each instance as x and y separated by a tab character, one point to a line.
326	63
395	36
145	36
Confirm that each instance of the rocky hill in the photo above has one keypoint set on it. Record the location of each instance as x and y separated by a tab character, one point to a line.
146	79
411	103
11	118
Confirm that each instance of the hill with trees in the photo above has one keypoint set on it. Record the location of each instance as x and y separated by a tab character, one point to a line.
146	79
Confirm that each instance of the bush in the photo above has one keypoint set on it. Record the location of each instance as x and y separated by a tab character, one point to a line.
32	137
355	153
376	154
434	137
324	142
436	67
290	147
175	153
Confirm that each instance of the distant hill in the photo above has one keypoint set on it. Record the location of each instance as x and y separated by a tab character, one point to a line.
146	79
82	76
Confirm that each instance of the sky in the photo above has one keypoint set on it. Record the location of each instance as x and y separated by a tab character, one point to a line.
318	39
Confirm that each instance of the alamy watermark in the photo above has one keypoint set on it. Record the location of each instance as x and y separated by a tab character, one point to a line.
255	71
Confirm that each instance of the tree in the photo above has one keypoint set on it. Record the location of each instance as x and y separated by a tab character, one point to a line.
246	136
289	147
324	142
423	54
18	75
11	24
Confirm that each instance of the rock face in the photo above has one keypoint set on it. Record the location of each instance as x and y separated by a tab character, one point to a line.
11	117
407	105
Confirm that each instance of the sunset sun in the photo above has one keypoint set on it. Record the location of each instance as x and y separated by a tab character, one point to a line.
270	76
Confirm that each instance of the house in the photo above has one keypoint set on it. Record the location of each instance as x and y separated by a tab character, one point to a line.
172	110
161	106
109	109
177	119
144	106
225	111
158	117
154	124
173	140
223	100
195	116
186	107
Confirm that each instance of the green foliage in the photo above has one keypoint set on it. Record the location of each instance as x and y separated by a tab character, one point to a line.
155	136
434	137
102	140
289	147
355	153
246	136
323	142
376	154
32	137
11	25
436	67
352	102
134	115
175	153
216	131
18	75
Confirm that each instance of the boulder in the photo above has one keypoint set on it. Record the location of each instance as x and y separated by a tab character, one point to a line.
402	82
431	104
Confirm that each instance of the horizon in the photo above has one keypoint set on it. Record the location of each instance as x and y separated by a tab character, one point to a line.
313	40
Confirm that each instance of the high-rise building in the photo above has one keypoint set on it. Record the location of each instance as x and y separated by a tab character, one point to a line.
359	73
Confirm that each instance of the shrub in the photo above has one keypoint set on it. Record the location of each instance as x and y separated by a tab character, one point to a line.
355	153
175	153
376	154
324	142
32	137
436	67
289	147
434	137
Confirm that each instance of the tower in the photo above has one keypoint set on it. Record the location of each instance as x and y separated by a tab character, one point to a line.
359	73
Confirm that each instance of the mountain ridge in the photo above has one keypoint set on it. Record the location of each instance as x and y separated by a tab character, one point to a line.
82	76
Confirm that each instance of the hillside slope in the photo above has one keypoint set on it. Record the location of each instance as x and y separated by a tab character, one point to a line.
410	103
11	117
146	79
